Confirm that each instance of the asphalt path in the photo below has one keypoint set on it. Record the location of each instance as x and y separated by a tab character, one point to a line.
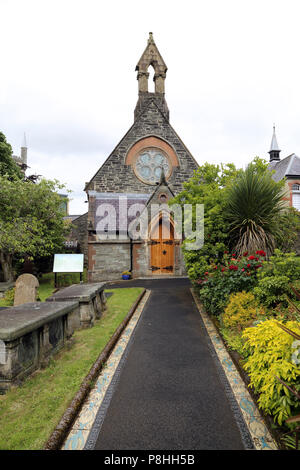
170	393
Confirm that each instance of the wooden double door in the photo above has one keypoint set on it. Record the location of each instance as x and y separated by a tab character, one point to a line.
162	248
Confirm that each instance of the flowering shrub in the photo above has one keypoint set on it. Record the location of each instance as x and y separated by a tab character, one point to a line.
241	311
282	264
274	279
232	275
270	354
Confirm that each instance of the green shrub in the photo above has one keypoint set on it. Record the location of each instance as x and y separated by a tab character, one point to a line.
9	296
282	264
234	340
241	311
272	290
270	352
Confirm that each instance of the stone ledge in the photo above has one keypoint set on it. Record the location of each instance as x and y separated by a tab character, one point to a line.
30	334
4	286
79	292
18	321
90	297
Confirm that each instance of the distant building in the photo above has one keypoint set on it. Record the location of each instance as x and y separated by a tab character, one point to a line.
288	168
21	160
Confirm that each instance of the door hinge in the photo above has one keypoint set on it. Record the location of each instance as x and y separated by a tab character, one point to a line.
154	268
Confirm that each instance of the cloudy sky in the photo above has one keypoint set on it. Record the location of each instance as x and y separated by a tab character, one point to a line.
68	78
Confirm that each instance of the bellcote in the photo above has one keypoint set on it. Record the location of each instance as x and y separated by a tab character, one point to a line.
274	148
151	58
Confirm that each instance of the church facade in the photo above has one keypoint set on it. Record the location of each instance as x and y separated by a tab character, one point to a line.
146	168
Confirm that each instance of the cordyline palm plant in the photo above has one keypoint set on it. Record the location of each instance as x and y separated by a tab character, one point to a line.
254	205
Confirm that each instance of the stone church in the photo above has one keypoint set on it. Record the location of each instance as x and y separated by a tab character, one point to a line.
148	166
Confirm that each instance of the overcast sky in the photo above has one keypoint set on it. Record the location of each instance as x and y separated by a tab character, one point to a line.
68	78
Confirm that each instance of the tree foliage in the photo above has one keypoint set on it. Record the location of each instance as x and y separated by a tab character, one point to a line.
254	204
208	187
8	166
31	220
243	211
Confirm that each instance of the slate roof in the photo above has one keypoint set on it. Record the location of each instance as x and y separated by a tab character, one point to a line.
72	217
288	167
116	216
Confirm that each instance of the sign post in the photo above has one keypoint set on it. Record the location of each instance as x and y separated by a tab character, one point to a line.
68	263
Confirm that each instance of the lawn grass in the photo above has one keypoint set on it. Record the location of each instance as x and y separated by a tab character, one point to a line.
28	414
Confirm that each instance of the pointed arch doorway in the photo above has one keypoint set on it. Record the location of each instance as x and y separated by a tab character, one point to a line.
162	246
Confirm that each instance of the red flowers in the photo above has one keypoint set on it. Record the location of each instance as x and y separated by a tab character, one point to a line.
261	253
206	274
251	257
248	265
246	253
233	267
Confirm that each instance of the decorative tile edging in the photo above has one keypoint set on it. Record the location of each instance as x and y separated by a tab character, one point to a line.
259	432
82	427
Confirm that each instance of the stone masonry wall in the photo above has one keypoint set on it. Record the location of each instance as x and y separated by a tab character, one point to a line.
108	260
115	176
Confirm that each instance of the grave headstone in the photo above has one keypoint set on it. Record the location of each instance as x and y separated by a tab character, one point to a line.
26	289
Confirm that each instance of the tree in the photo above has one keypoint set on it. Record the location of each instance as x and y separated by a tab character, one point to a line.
254	208
31	220
8	166
208	186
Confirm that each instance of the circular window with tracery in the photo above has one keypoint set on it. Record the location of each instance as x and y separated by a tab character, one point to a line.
149	164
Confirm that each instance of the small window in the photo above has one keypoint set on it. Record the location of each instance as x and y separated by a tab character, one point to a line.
296	200
296	187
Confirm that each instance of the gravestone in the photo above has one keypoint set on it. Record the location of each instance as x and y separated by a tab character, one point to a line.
26	289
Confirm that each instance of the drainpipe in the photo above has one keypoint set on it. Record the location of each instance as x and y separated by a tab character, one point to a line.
131	255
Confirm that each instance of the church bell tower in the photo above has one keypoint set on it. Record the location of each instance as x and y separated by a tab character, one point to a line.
151	58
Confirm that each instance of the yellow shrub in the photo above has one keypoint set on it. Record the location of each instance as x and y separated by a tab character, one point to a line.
241	311
271	351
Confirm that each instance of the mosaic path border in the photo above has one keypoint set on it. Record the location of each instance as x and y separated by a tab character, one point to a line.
256	426
86	428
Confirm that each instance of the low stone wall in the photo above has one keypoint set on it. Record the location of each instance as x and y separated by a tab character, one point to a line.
91	299
5	286
30	334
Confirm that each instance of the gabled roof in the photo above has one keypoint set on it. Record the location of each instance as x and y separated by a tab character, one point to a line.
288	167
152	103
163	184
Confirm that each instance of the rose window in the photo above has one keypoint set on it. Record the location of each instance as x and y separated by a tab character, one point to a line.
149	164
